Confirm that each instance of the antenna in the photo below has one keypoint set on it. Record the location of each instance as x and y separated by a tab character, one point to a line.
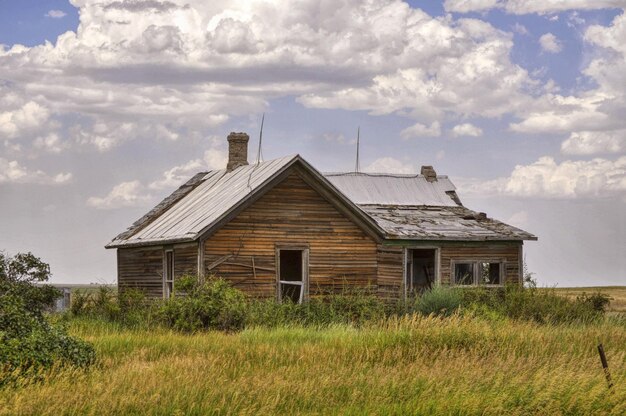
357	167
259	154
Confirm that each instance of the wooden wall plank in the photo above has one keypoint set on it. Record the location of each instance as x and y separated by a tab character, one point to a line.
292	213
142	269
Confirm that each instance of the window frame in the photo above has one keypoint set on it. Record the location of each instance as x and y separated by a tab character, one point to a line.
167	279
304	284
405	266
477	271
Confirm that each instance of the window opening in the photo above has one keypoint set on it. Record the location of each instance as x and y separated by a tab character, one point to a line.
291	279
169	273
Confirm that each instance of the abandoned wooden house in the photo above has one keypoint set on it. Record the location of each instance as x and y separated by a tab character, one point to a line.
282	229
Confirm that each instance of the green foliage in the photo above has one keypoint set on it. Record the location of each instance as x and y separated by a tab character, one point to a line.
28	342
543	306
439	300
351	306
130	308
598	301
200	305
215	304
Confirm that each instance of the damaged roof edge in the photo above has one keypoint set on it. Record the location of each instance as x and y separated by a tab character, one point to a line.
159	209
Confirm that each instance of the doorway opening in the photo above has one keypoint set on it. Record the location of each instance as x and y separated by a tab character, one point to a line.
420	270
292	275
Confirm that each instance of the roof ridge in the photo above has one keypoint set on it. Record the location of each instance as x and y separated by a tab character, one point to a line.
380	174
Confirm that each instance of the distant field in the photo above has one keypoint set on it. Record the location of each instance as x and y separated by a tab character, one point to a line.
415	365
617	294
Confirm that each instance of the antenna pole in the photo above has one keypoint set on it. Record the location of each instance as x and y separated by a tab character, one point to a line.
259	154
357	167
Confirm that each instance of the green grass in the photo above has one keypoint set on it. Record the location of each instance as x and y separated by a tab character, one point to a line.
617	294
413	365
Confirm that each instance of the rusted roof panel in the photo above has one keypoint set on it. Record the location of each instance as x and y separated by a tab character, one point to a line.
441	223
367	188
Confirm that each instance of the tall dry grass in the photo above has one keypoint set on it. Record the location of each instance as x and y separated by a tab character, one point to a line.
410	365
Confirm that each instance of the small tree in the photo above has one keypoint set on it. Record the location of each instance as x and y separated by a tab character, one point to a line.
27	340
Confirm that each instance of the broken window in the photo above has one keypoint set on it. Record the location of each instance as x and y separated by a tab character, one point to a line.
168	276
291	279
478	273
420	269
490	274
464	274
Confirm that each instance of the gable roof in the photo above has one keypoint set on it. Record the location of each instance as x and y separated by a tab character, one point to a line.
386	206
376	188
210	197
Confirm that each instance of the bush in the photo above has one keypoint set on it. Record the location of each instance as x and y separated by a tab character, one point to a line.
200	305
442	301
353	306
597	301
532	304
28	342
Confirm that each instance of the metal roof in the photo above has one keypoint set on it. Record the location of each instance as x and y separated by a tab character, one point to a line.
214	196
390	206
367	188
441	223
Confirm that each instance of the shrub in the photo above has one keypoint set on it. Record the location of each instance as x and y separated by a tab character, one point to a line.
597	301
28	342
353	306
439	300
200	305
532	304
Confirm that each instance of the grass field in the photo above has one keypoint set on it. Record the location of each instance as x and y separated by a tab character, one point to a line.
617	294
414	365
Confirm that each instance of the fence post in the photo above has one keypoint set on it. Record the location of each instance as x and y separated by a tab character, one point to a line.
605	365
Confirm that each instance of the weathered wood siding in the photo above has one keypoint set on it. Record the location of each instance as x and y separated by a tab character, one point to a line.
292	213
508	252
391	262
185	260
390	271
142	269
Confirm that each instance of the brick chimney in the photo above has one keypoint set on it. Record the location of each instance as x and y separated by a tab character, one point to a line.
237	150
429	173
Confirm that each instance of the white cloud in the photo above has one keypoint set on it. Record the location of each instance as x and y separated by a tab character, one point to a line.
550	43
466	129
595	142
465	6
134	193
546	178
56	14
193	65
125	194
519	219
338	138
600	108
50	142
13	172
420	130
530	6
460	68
389	165
520	29
23	119
214	159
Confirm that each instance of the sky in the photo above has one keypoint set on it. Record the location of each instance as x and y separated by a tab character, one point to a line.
107	106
